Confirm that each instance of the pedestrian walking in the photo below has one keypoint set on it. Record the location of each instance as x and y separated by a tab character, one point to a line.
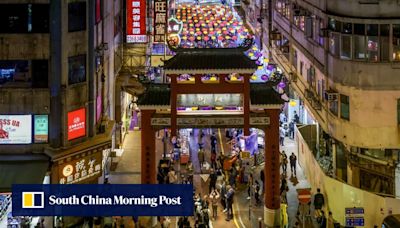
319	200
262	177
281	136
282	118
213	181
223	196
213	160
284	195
214	197
296	118
213	140
172	177
257	192
291	129
229	202
322	221
284	161
200	156
283	185
293	162
249	185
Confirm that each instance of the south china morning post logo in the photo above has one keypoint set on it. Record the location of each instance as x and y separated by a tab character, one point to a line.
33	200
102	200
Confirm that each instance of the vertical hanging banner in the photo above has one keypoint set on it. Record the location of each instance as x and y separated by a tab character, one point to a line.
160	20
136	21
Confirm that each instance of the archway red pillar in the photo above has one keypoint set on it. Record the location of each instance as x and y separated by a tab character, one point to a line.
148	169
246	104
271	170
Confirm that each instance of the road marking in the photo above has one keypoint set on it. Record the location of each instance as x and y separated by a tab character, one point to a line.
240	218
220	139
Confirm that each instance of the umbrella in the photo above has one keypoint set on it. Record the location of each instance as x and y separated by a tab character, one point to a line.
220	38
206	38
184	37
199	38
213	37
198	33
234	38
225	32
191	38
227	37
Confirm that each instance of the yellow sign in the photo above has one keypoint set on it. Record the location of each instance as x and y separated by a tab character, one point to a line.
245	154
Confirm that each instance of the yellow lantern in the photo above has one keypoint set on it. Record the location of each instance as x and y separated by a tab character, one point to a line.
292	103
260	67
251	54
266	60
253	77
213	78
254	48
233	78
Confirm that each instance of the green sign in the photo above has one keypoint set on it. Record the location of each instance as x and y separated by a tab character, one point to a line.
41	128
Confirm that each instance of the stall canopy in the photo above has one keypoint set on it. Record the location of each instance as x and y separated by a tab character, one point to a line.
22	169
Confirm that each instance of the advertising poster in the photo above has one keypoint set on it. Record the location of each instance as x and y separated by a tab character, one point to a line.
15	129
76	124
136	21
41	128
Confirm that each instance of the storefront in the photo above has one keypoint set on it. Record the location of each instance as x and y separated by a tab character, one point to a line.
83	166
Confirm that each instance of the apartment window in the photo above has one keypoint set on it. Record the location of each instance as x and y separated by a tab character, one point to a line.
40	73
299	21
76	16
384	42
345	51
333	107
359	47
372	42
396	42
39	18
76	69
334	45
344	107
283	7
301	67
13	18
334	25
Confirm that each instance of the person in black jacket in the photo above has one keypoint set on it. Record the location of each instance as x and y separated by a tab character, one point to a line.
213	181
262	177
319	200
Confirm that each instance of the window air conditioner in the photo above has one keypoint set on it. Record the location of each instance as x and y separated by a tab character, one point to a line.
331	95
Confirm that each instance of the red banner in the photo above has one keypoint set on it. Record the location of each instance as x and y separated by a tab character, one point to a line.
136	21
76	124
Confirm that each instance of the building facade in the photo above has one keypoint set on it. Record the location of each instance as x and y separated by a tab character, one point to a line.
341	59
57	78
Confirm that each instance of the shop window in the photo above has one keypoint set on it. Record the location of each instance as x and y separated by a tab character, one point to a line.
345	52
299	22
359	47
341	161
76	16
40	73
396	42
283	7
76	69
13	18
384	43
344	107
14	70
334	45
374	182
377	153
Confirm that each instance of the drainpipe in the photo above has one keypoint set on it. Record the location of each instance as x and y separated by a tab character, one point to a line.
91	70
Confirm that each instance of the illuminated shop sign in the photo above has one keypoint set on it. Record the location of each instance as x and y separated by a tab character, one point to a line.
15	129
160	20
76	124
80	169
41	128
136	21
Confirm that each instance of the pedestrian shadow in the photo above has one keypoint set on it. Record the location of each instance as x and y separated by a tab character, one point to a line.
294	180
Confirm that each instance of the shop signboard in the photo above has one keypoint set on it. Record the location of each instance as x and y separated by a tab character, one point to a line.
41	128
160	20
136	21
15	129
76	124
81	169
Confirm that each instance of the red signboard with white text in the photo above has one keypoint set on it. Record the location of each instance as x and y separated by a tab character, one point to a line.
136	21
76	124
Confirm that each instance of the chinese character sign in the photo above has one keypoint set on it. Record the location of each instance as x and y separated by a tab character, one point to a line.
136	21
81	169
41	128
160	20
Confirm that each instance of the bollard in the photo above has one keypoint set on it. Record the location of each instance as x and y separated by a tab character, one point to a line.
260	222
